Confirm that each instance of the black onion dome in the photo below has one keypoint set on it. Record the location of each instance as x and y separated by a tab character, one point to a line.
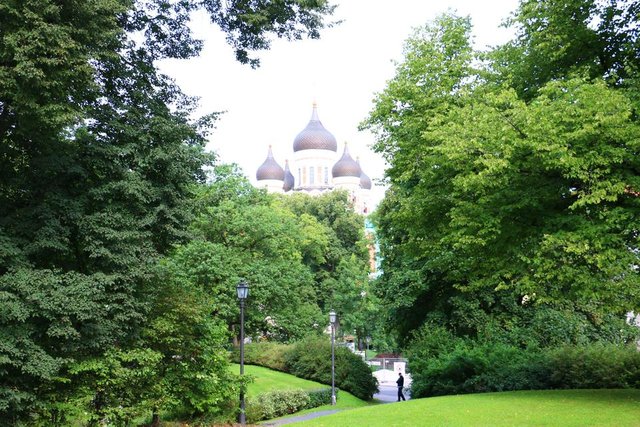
315	136
365	181
346	166
270	169
289	181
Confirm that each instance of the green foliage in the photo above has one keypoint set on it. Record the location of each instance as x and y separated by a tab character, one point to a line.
240	233
99	160
443	364
556	38
335	249
275	404
116	386
278	403
301	255
596	366
268	354
311	359
478	368
532	205
193	376
320	397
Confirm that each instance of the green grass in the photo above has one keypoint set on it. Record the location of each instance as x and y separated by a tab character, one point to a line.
267	380
564	408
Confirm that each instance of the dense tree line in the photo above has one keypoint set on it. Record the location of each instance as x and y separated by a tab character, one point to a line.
99	160
514	176
301	255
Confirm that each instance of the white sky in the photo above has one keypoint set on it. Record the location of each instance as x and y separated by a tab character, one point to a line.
342	71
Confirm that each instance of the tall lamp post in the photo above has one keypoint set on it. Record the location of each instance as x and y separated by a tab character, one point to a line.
332	320
243	293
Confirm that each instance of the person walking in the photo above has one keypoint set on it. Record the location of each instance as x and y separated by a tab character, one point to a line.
400	382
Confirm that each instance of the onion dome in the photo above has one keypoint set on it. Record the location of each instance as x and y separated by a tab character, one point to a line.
346	166
365	181
270	169
315	136
289	181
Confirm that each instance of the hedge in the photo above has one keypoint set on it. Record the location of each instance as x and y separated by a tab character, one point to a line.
484	367
274	404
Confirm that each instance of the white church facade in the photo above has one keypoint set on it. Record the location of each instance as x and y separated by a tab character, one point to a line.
316	168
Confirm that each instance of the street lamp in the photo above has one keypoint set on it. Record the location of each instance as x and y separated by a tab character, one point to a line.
243	293
332	320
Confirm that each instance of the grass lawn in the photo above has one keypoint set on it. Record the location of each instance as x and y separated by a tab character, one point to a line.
564	408
267	380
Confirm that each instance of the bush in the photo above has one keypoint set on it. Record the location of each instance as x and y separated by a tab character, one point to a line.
469	366
596	366
319	397
311	359
268	354
275	404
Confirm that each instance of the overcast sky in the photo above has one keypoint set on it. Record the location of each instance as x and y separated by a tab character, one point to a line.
342	71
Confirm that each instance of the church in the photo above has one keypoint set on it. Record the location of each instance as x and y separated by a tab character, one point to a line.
316	167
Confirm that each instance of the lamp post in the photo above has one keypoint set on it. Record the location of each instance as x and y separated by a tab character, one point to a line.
332	320
243	293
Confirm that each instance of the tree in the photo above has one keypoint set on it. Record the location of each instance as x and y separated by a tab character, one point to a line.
438	60
241	233
337	255
99	157
555	38
504	204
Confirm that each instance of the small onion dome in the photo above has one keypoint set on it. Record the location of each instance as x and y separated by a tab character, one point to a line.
270	169
346	166
315	136
289	181
365	181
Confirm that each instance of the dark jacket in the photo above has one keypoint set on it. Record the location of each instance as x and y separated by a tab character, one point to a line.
400	381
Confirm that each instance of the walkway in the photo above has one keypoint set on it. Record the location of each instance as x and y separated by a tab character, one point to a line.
297	419
388	393
387	385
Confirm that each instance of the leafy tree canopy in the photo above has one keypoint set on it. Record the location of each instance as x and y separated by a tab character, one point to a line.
512	190
99	157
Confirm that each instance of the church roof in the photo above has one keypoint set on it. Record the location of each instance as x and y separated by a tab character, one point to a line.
270	169
346	166
315	136
365	181
289	181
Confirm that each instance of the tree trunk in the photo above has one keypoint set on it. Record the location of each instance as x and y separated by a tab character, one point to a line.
155	418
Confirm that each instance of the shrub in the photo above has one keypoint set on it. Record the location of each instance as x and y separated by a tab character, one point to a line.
480	368
311	359
470	366
275	404
595	366
319	397
268	354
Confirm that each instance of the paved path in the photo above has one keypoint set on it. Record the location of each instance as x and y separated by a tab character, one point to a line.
291	420
387	385
389	393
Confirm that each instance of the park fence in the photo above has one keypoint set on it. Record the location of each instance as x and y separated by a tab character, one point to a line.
392	363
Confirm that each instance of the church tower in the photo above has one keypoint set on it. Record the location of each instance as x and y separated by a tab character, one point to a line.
314	168
270	174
